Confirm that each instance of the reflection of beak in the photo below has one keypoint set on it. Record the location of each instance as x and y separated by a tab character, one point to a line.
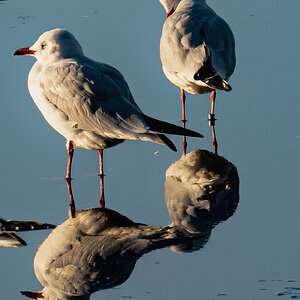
24	51
32	295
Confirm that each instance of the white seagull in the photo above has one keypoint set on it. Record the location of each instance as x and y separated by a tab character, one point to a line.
197	50
88	102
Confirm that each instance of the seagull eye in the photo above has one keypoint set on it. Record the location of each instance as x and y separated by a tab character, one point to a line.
43	46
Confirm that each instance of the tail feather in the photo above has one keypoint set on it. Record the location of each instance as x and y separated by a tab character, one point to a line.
168	128
167	142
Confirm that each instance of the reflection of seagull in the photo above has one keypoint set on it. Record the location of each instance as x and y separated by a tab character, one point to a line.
88	102
197	49
7	236
201	190
95	250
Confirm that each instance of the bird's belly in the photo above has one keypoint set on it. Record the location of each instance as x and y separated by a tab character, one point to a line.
81	138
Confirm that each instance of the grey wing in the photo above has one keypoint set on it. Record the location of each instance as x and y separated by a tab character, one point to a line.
95	96
219	39
214	34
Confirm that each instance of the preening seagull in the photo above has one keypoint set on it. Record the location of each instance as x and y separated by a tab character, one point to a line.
88	102
197	50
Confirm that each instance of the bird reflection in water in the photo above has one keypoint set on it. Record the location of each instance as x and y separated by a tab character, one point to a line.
96	250
201	190
7	228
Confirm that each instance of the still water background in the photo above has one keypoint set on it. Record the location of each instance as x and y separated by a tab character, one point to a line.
255	254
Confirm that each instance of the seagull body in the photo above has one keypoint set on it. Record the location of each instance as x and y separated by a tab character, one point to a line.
88	102
96	250
197	47
197	51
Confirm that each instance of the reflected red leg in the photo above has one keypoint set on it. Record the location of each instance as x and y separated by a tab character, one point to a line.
101	175
212	120
183	120
72	208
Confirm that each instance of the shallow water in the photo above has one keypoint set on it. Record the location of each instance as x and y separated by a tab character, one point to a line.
254	254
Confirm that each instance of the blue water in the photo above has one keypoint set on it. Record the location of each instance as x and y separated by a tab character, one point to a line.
251	256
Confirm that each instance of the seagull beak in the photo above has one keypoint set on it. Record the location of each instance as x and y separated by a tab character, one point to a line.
24	51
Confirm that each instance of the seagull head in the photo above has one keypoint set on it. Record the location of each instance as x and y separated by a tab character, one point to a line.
53	45
169	5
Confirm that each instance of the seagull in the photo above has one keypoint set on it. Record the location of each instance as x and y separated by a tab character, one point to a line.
88	102
201	190
97	250
197	51
7	227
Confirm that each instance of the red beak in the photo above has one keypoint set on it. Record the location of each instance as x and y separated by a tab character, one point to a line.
24	51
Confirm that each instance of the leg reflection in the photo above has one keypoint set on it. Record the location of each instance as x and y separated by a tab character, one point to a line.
183	120
212	121
72	208
101	175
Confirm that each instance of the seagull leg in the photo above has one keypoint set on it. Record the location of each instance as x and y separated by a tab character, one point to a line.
70	149
183	120
101	175
212	120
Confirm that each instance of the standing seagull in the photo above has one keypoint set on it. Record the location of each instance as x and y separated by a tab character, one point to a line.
197	51
88	102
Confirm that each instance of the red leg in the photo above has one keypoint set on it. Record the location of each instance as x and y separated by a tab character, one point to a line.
101	175
213	100
183	120
70	149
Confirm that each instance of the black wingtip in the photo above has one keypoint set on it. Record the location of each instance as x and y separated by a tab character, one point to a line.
168	128
167	142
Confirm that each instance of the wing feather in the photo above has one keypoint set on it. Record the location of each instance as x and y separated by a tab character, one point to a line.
94	96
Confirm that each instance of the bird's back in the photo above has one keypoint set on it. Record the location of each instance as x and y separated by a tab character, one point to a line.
193	34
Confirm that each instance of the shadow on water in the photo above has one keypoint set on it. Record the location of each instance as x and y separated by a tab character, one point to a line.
98	248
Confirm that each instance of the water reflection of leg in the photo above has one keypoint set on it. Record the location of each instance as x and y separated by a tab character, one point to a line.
101	175
72	208
212	121
183	120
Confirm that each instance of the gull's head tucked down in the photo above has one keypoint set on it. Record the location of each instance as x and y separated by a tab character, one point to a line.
53	45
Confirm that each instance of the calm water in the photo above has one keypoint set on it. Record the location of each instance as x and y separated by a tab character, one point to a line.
254	254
